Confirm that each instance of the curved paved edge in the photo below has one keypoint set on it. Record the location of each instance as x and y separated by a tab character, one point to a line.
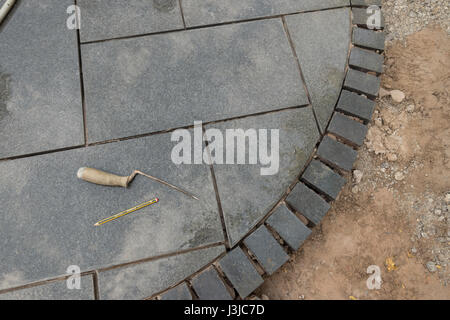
240	271
261	253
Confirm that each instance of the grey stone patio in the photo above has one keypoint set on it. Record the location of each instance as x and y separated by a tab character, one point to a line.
110	95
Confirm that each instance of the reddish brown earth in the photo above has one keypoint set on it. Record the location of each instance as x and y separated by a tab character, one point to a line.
397	216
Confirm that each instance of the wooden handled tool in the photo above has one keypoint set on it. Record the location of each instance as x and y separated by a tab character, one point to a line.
108	179
6	8
103	178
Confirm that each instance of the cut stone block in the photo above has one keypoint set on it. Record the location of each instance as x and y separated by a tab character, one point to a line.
54	291
367	60
336	153
105	19
266	249
241	272
324	179
364	17
308	203
204	12
366	2
180	292
142	280
368	38
167	81
246	194
356	105
40	96
322	51
48	214
289	227
362	82
347	128
209	286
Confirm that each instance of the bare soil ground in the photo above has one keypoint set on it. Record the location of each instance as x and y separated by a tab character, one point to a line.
397	216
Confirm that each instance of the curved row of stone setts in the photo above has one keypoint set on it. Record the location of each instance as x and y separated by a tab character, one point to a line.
237	273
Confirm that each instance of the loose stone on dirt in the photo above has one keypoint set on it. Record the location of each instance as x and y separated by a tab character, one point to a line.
397	95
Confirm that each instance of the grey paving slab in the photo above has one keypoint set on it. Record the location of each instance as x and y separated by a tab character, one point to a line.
368	38
54	291
180	292
209	286
307	202
367	60
247	195
347	128
364	17
289	227
170	80
362	82
241	272
266	249
356	105
336	153
40	97
146	279
321	40
48	214
204	12
366	2
105	19
323	178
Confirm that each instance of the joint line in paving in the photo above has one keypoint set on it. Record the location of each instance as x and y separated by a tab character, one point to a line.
93	272
143	135
302	77
186	28
96	285
182	13
191	126
80	70
282	199
216	191
350	46
161	256
188	278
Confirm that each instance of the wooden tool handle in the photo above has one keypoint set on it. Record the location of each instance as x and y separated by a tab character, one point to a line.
102	178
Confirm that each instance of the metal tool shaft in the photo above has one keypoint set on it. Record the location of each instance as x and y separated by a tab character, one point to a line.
162	182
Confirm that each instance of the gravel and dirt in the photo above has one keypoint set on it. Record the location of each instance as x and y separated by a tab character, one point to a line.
394	213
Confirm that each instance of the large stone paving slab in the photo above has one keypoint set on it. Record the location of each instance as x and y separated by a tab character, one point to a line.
54	291
104	19
321	40
204	12
145	279
159	82
245	194
40	97
47	214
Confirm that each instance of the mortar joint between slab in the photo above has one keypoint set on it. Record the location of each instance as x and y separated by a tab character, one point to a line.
188	278
82	91
212	25
302	77
278	238
216	191
229	286
180	3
